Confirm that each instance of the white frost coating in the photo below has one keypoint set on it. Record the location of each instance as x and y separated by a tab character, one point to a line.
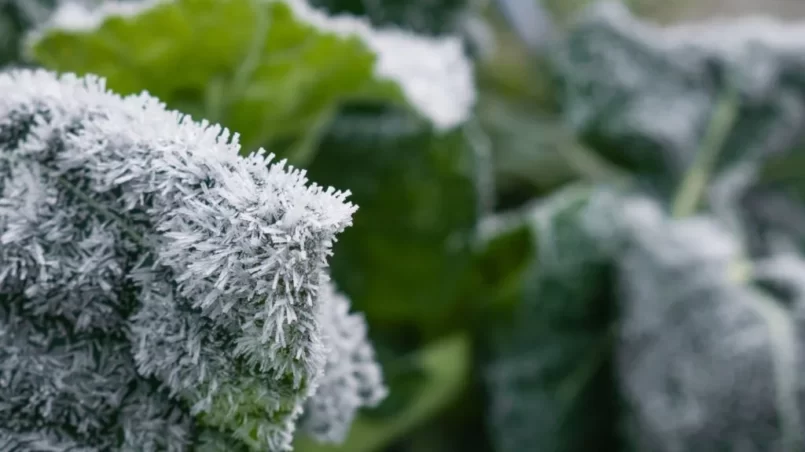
719	35
434	74
623	73
352	378
223	253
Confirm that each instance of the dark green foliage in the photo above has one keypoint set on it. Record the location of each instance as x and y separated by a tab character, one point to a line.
553	363
407	254
430	17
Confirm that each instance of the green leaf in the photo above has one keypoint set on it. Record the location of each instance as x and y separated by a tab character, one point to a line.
548	368
689	324
446	364
17	17
421	16
534	151
644	95
271	70
529	149
503	251
406	257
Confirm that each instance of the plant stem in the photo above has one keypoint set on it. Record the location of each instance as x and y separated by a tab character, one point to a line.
694	184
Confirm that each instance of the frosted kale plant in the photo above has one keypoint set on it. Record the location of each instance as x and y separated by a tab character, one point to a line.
352	378
157	290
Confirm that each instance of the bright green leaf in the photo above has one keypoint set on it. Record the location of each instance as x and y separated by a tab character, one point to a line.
270	70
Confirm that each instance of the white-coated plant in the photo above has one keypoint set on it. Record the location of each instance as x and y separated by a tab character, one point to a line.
352	378
156	288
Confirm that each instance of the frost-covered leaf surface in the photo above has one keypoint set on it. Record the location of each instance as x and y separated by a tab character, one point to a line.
151	278
648	333
406	256
267	69
548	373
414	174
352	378
705	361
644	95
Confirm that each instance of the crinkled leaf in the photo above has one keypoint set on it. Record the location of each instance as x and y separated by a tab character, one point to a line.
406	256
705	361
138	246
268	69
352	378
644	95
416	184
548	370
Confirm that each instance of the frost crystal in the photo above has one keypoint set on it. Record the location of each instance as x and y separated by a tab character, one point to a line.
434	74
143	262
352	379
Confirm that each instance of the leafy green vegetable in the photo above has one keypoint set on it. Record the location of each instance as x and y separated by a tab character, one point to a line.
278	73
689	325
644	95
548	372
270	70
407	254
530	146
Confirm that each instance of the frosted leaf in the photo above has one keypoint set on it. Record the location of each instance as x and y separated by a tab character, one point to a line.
153	422
44	440
548	377
645	93
704	362
157	252
352	378
78	385
434	74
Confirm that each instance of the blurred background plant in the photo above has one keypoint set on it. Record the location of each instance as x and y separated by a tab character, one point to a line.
606	253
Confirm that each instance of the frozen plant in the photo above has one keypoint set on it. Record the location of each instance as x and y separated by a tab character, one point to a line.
157	290
352	377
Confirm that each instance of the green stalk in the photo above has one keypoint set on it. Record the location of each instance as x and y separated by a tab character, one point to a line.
694	184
